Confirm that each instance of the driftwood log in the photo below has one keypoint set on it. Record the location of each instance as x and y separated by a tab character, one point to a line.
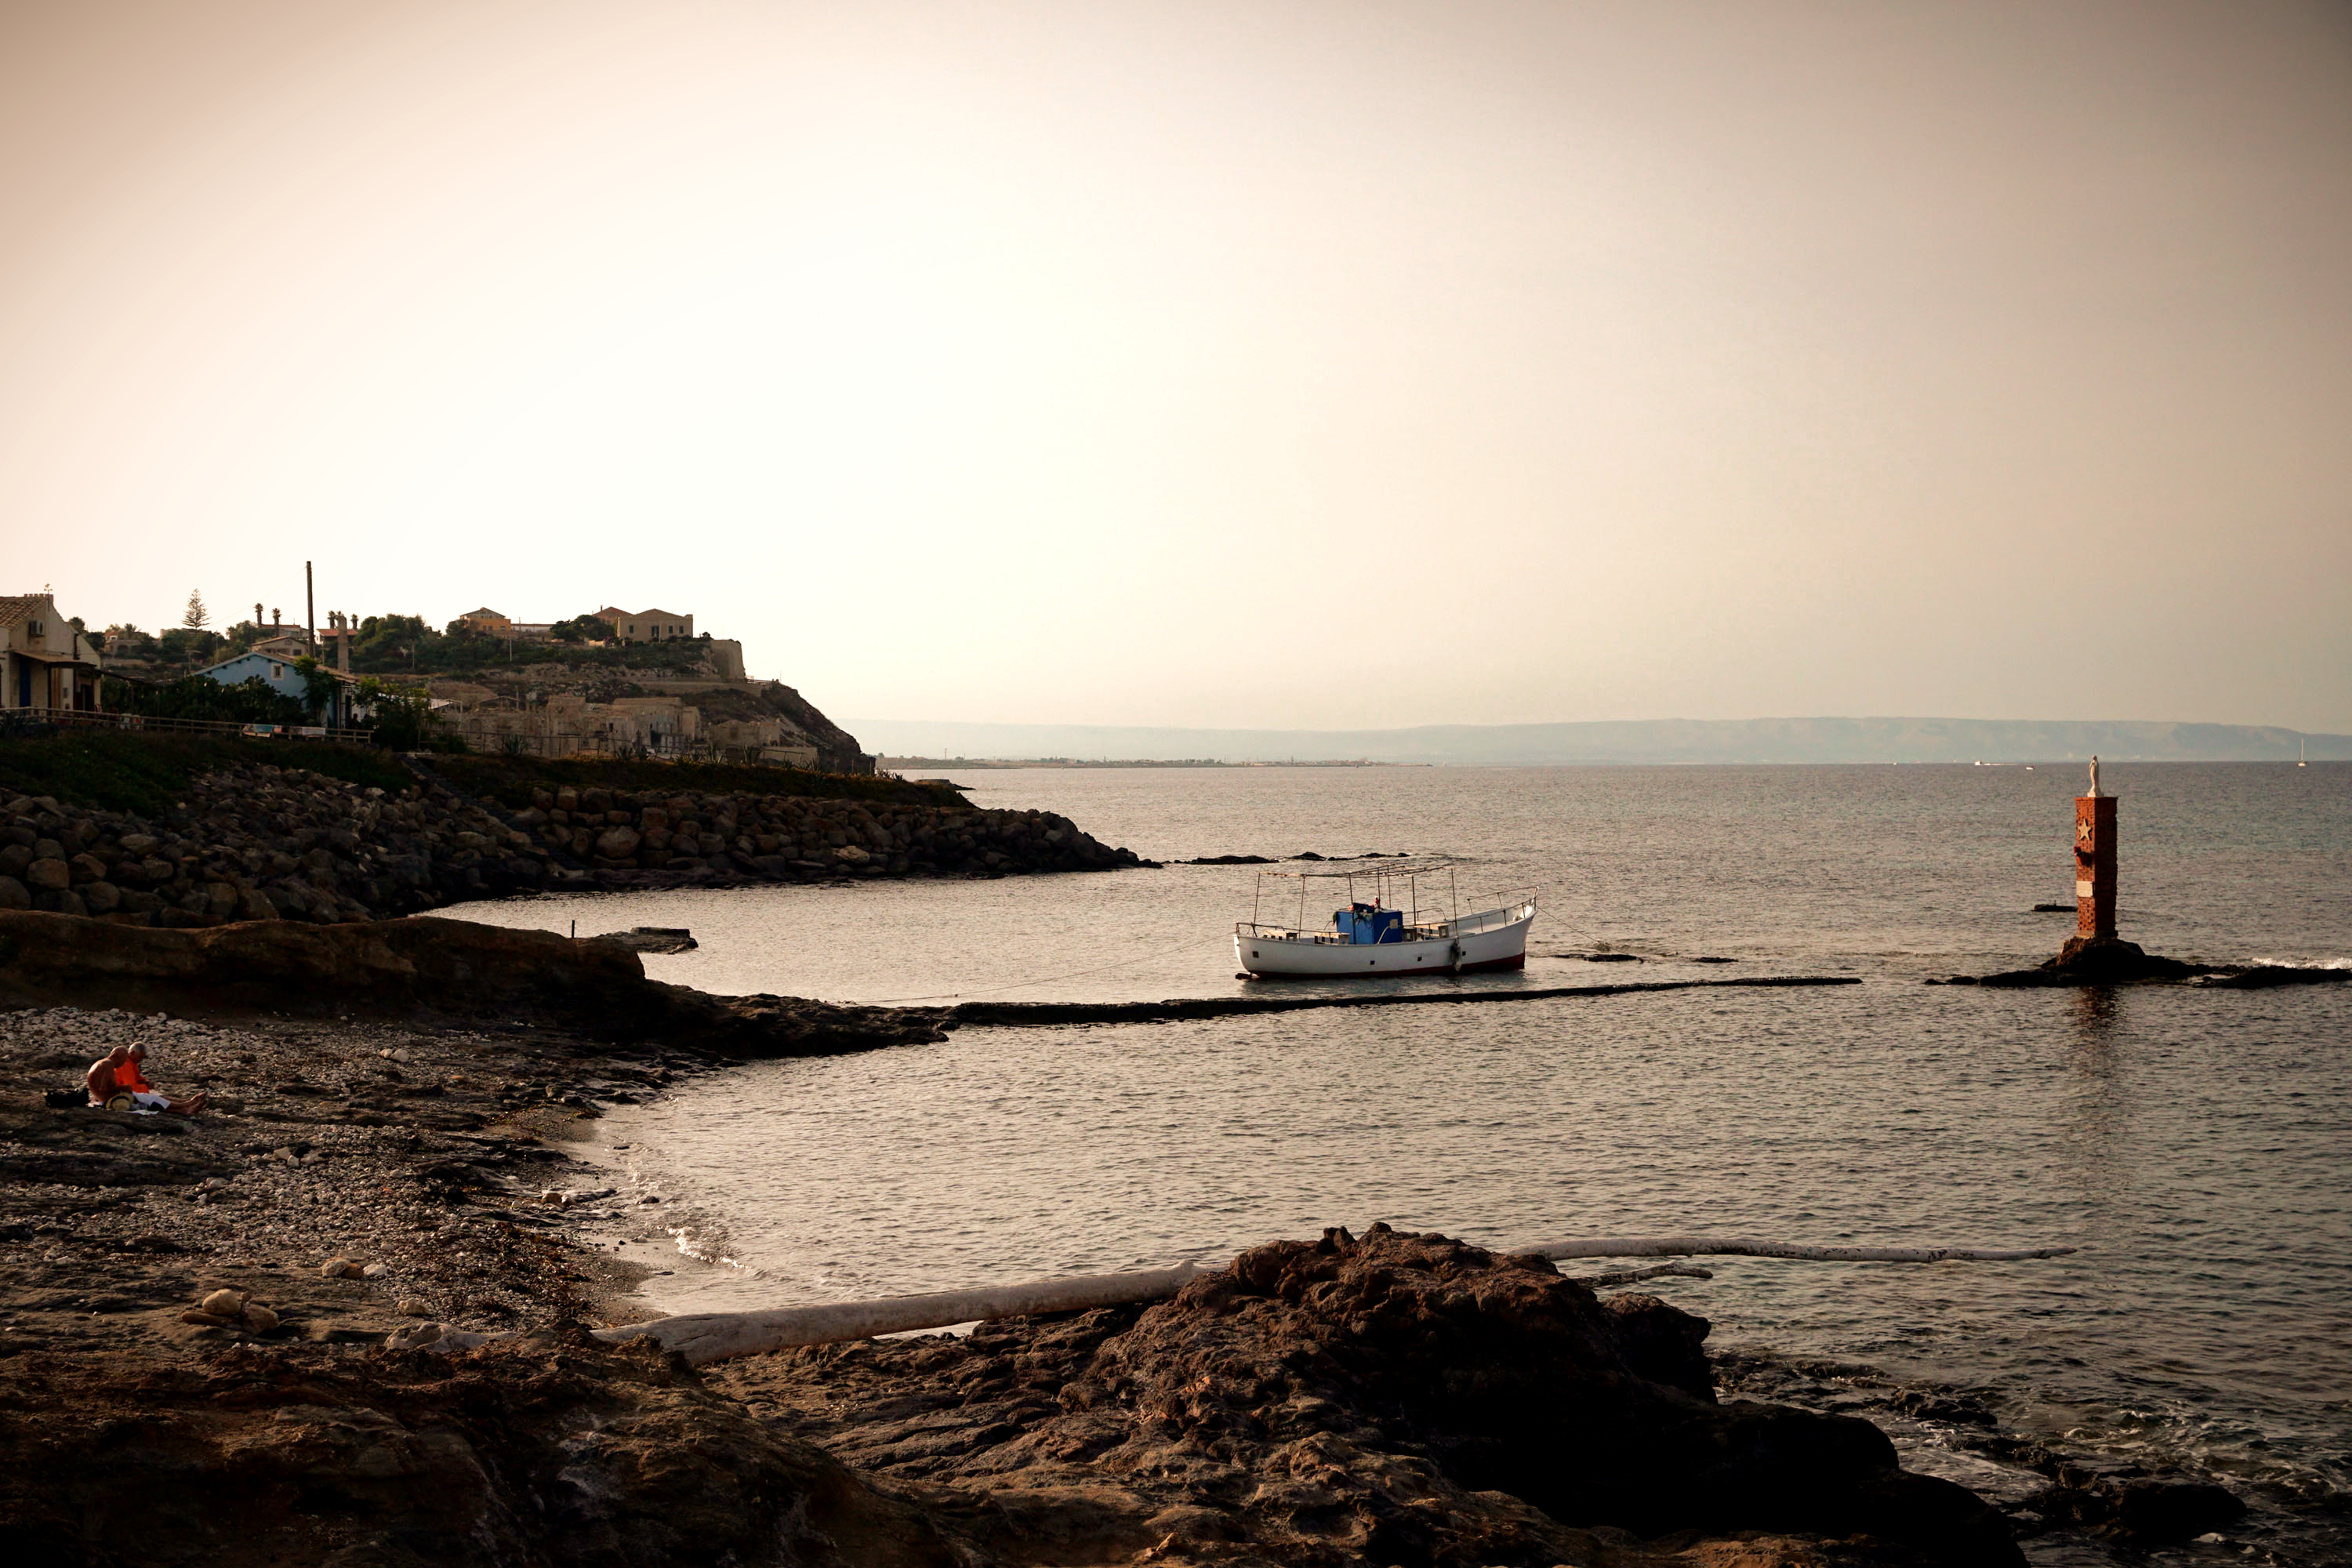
704	1337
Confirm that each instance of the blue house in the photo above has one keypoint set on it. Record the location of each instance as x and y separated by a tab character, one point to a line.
278	674
278	671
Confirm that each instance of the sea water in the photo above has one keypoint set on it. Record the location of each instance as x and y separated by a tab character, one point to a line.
2195	1146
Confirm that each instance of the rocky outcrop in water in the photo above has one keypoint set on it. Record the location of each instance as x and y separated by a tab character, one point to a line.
263	843
2111	961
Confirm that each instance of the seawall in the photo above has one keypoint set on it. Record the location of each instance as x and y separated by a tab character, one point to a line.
260	842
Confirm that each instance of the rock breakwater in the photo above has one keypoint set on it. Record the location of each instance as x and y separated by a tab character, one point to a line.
425	968
260	842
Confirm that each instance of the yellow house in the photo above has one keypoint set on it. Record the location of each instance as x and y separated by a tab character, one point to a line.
45	662
487	622
645	626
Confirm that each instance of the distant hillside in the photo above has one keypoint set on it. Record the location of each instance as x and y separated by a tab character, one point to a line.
1629	740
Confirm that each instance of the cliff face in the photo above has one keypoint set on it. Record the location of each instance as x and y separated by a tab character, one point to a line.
837	749
558	705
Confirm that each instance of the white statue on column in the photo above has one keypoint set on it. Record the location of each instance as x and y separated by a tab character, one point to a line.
2094	778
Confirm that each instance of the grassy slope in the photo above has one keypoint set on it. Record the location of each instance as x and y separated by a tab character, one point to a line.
511	779
147	774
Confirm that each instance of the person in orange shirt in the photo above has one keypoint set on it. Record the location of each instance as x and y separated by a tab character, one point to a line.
118	1072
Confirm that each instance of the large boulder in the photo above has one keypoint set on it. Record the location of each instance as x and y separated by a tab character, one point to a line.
1388	1398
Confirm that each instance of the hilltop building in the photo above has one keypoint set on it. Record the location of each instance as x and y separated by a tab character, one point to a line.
568	724
46	661
646	625
286	646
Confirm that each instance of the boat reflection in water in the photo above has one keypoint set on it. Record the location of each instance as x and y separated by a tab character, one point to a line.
1382	925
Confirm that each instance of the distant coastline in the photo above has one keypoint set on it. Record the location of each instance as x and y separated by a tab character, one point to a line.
937	742
900	764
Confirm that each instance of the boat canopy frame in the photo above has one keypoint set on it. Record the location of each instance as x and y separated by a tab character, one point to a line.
1385	875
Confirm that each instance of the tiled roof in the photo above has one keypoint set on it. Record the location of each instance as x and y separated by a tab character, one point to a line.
15	607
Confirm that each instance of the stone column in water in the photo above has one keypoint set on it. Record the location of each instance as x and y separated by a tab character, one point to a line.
2094	860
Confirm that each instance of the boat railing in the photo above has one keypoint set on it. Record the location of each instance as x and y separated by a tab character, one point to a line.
1515	906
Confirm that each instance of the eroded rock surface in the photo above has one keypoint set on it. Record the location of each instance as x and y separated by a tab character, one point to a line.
538	1450
1391	1399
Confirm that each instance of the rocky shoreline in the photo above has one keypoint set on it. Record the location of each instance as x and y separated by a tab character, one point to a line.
1390	1398
260	842
387	1168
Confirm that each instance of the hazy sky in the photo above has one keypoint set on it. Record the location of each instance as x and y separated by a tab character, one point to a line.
1274	364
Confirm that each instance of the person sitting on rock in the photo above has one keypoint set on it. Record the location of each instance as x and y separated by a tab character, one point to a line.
117	1073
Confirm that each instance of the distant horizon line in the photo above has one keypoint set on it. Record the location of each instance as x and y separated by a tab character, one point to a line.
1570	723
1877	741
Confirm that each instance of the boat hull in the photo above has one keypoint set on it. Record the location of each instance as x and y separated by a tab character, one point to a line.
1500	946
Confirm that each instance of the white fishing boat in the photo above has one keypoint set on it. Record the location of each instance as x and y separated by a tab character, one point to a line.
1385	923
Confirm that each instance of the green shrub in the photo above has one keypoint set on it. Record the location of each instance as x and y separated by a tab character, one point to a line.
252	701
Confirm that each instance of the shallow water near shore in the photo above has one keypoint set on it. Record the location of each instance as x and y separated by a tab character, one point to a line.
2195	1146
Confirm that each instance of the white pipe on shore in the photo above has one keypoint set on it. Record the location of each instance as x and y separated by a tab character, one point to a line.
705	1337
1709	1245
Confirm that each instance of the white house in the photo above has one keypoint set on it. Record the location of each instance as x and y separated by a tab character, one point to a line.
44	661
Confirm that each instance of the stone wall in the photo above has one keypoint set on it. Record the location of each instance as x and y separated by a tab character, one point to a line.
269	843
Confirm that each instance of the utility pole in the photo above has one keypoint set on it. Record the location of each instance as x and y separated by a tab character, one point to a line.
310	609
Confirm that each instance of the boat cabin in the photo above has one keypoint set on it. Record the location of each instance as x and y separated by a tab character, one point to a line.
1366	925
